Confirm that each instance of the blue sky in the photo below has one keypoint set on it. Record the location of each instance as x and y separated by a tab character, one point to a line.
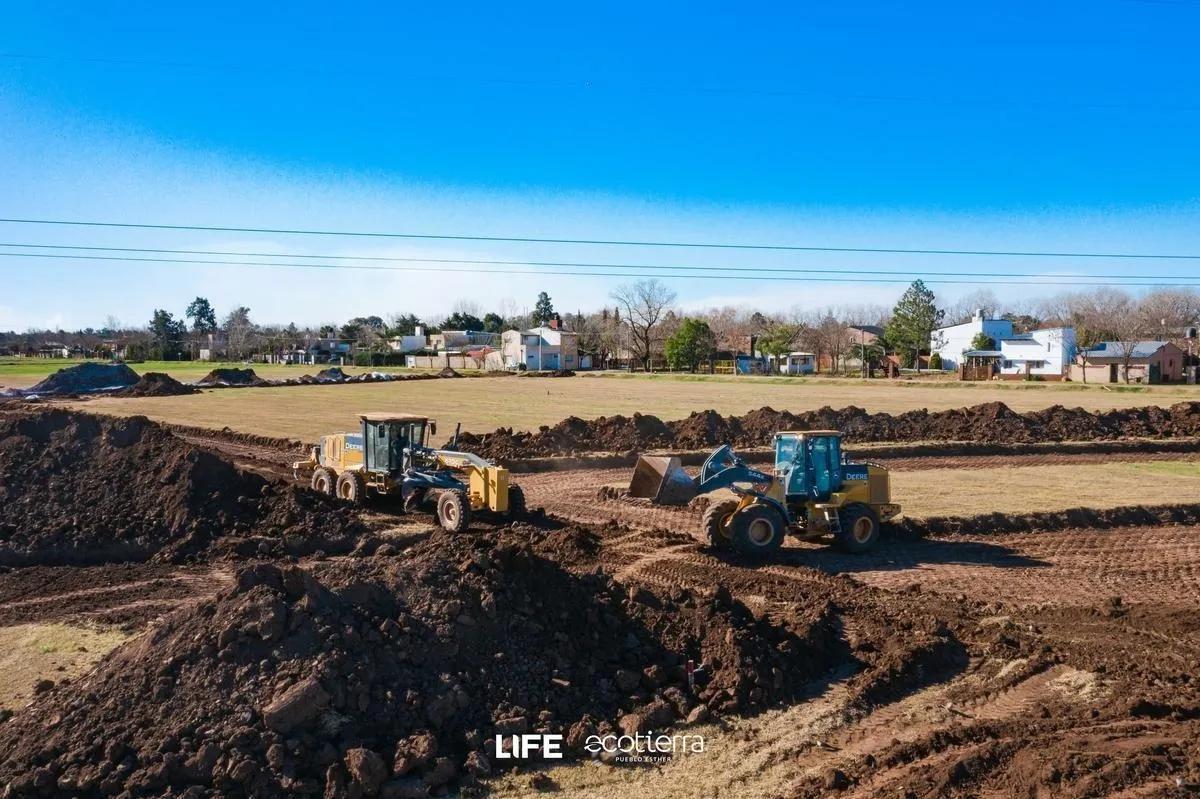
1026	126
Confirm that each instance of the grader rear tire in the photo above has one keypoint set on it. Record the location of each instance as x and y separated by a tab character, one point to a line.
453	511
324	481
351	487
716	523
516	502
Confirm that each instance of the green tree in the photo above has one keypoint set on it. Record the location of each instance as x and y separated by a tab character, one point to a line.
983	341
543	311
914	319
404	324
690	344
778	339
461	320
204	318
168	335
493	323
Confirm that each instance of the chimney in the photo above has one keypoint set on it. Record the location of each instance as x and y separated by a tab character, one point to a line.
419	330
978	315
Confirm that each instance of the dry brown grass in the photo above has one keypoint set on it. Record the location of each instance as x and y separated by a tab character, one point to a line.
32	652
483	404
1030	489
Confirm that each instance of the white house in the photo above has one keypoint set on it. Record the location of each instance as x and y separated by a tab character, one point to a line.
1046	352
951	342
540	348
796	363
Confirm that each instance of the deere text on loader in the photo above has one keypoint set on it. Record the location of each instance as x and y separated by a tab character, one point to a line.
813	491
389	457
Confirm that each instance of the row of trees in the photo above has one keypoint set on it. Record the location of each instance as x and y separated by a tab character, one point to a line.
643	325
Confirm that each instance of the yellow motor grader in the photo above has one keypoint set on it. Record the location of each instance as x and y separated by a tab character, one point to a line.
389	457
813	491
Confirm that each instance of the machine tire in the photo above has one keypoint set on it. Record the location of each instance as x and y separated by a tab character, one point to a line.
715	520
758	530
324	481
516	502
860	528
351	487
453	511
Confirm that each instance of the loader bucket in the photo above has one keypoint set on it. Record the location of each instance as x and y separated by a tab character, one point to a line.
662	480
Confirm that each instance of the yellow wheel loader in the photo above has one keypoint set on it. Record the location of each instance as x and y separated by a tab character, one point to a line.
389	457
812	492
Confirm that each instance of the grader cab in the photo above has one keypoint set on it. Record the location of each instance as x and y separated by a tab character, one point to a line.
389	456
813	491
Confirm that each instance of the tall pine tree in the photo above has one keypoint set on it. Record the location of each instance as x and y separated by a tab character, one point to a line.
914	319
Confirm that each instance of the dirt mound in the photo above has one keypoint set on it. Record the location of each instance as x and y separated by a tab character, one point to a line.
394	675
551	373
989	422
85	378
448	372
232	377
77	488
333	374
607	433
156	384
1050	521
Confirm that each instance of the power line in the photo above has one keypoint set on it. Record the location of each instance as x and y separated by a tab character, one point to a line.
572	264
477	271
606	242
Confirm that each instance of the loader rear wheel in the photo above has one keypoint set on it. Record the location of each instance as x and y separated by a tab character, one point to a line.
716	522
324	481
516	502
860	528
758	530
453	511
351	487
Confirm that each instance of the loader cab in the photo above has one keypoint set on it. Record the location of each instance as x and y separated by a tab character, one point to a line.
809	463
387	436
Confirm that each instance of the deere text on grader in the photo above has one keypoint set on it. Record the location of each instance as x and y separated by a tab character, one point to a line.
812	492
389	457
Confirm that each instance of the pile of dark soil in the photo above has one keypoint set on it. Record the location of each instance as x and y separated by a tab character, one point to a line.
77	488
392	676
86	378
232	377
990	422
156	384
448	372
1050	521
551	373
333	374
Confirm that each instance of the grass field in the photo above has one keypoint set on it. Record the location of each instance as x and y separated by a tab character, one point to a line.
30	652
483	404
1032	489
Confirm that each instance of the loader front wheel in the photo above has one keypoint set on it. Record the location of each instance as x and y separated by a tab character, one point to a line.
716	522
453	511
758	530
860	528
351	487
324	481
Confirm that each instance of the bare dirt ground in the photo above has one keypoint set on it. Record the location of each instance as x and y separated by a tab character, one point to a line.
1071	670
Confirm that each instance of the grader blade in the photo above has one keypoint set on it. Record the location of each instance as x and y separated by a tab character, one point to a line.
662	480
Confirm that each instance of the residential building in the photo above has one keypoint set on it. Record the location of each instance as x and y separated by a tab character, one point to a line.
795	363
540	348
1039	354
952	341
1148	361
